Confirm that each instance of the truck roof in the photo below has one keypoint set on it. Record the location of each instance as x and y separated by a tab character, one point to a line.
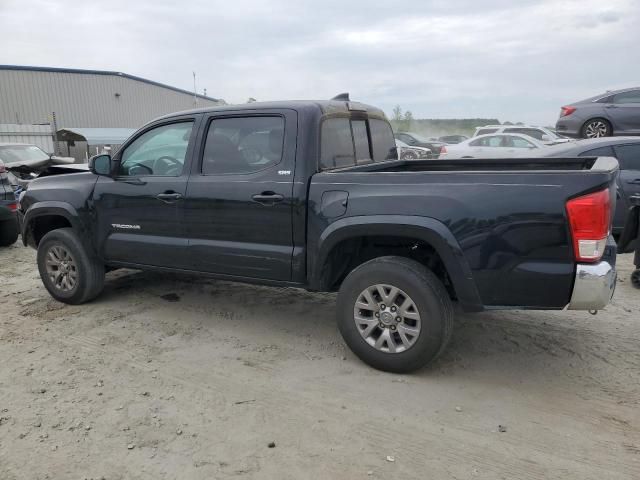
322	106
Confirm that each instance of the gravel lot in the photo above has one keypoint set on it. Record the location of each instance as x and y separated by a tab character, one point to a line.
168	377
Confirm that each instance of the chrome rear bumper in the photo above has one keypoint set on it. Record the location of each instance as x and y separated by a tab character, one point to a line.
593	287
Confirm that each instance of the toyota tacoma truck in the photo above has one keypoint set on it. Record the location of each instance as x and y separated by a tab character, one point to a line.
311	194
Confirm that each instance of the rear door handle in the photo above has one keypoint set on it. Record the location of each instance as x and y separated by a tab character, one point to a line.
267	198
169	197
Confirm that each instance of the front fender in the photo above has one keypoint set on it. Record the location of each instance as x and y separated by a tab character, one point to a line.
426	229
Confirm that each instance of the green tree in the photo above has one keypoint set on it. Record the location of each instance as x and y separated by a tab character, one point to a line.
397	113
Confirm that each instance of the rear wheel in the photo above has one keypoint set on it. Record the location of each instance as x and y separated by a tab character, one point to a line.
596	128
8	232
69	273
409	155
394	314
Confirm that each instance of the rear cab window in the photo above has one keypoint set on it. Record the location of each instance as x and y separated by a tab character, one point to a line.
346	142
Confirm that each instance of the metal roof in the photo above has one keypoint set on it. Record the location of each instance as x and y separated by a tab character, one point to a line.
102	72
95	136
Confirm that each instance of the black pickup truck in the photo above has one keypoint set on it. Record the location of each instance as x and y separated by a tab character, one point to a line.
311	194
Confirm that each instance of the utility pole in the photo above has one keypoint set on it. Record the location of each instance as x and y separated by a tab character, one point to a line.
195	95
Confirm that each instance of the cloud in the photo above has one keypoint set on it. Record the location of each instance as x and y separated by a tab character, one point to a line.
504	59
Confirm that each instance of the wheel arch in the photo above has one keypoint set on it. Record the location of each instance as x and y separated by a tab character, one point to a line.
428	230
44	217
597	117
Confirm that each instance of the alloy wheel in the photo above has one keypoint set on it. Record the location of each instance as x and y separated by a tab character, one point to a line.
61	268
387	318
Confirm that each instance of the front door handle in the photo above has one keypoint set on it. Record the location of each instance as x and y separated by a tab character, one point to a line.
169	197
634	182
267	198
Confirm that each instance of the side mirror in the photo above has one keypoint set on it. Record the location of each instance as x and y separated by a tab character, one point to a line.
545	138
101	164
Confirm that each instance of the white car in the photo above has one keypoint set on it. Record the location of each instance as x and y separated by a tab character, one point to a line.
541	134
493	146
407	152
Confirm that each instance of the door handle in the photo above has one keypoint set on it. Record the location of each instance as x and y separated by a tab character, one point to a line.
634	182
267	198
169	197
611	106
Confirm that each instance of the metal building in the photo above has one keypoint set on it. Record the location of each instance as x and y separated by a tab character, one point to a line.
74	99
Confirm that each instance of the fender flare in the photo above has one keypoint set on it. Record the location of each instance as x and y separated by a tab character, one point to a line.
427	229
60	209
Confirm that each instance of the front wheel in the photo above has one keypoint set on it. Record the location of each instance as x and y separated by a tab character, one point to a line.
635	278
69	273
596	128
394	314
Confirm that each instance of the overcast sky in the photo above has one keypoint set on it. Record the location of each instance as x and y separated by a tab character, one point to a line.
513	60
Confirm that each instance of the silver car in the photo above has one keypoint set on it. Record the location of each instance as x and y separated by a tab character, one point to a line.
612	113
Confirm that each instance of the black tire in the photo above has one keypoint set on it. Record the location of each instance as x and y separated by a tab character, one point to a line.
607	132
90	271
635	278
8	232
409	155
430	297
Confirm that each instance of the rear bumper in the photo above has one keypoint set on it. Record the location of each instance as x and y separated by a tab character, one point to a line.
569	126
594	286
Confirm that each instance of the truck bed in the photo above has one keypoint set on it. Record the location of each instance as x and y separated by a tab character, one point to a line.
506	218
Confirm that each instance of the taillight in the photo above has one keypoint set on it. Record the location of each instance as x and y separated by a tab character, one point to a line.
3	169
564	111
589	221
13	206
443	150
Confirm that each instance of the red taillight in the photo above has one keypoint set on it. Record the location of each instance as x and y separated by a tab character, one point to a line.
13	206
3	169
589	221
443	150
564	111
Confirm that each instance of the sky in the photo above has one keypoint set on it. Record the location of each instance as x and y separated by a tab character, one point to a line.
513	60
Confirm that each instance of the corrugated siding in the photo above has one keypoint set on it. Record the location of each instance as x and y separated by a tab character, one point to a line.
85	100
39	135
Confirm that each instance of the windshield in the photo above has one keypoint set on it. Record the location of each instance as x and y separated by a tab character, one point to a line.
21	153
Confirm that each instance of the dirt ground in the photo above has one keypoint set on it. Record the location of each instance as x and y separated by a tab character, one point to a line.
167	377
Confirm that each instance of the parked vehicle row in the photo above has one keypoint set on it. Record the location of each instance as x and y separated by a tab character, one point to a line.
493	146
399	240
541	134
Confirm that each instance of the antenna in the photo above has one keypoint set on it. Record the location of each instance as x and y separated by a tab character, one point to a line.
195	95
342	97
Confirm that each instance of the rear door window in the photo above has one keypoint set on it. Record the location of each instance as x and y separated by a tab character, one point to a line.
517	142
627	97
629	156
241	145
